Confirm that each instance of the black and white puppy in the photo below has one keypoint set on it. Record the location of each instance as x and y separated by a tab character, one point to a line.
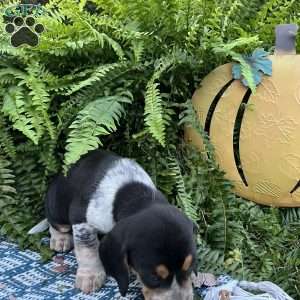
104	193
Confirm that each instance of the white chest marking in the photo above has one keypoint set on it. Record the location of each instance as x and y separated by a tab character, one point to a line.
100	209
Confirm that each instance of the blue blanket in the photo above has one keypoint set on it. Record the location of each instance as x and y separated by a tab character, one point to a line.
24	276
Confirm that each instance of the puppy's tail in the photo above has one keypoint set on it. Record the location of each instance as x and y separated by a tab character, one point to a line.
40	227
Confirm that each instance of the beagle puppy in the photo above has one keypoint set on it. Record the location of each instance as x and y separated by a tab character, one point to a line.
113	196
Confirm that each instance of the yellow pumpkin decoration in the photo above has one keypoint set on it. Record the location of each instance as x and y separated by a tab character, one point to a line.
256	136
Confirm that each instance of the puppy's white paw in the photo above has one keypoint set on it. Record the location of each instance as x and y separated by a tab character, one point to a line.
61	242
89	280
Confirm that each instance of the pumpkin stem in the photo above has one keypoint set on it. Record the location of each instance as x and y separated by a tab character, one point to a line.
285	39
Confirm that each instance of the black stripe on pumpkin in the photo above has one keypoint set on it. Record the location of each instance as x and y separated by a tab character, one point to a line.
296	187
237	133
213	106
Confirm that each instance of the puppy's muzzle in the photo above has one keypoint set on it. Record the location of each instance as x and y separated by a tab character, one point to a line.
175	292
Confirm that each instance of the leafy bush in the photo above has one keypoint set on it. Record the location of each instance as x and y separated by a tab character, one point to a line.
119	74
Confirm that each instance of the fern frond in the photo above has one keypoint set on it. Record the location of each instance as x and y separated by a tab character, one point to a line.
98	118
7	194
189	118
154	112
7	180
290	215
103	38
48	156
184	199
138	48
240	42
7	146
96	75
15	106
40	97
212	259
31	100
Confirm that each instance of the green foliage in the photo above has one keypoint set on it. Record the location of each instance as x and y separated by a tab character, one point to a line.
227	49
117	74
183	198
99	117
154	112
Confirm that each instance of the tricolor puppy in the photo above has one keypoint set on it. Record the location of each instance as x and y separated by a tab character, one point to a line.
104	193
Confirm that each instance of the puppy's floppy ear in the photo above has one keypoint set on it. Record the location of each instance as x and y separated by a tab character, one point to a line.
113	254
